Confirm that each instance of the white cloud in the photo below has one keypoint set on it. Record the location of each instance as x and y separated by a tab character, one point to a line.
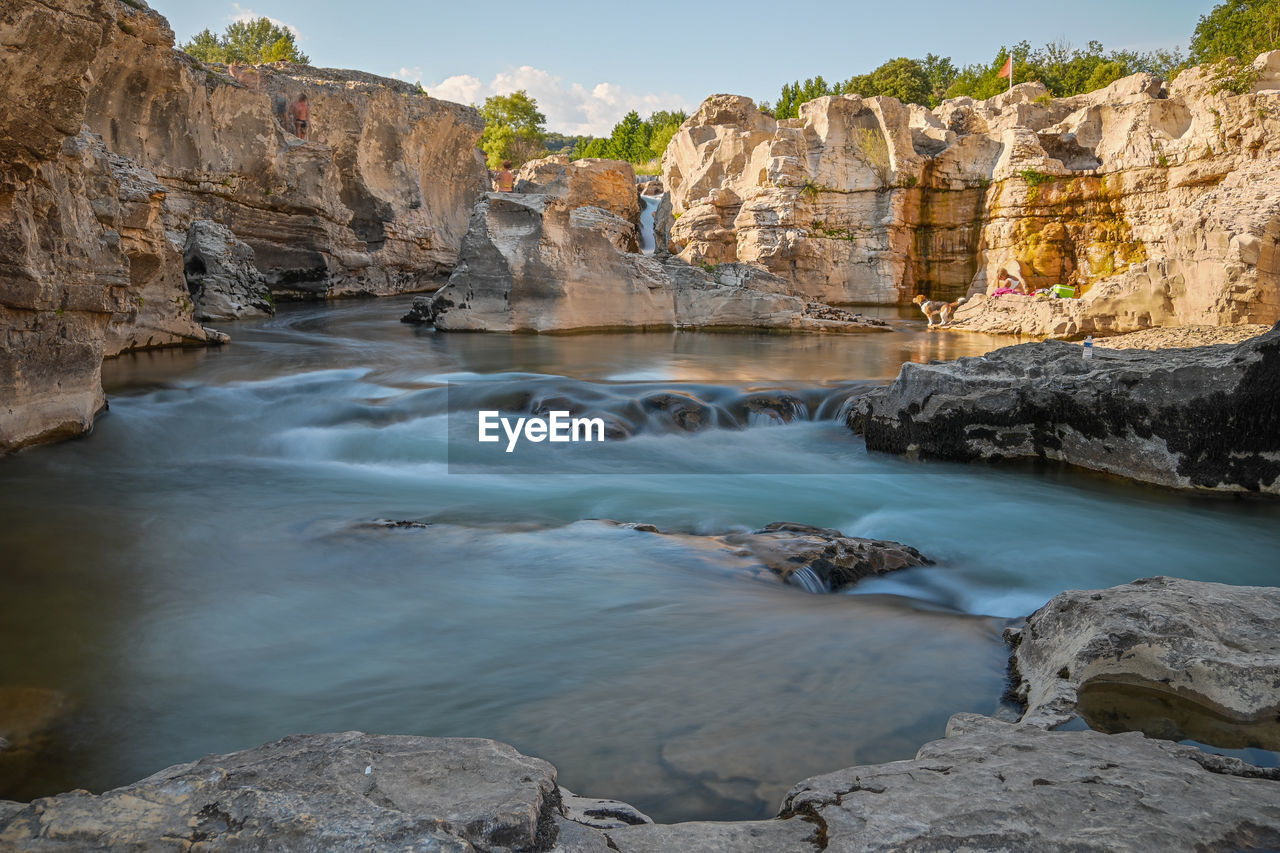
570	108
242	15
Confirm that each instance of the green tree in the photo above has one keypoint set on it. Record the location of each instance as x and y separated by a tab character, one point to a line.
514	129
1239	28
941	73
251	42
901	78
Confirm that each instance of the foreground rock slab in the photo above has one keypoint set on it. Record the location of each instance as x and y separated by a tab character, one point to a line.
1212	644
334	792
999	786
1201	419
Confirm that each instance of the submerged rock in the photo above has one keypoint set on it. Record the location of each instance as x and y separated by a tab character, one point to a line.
1202	418
1211	645
223	281
816	559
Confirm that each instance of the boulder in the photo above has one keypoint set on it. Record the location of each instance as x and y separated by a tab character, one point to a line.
1200	419
223	281
1210	645
333	792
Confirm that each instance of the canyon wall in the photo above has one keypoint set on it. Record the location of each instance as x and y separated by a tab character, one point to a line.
113	144
1160	202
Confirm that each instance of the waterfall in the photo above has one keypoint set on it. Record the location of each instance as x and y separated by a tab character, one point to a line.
807	579
648	205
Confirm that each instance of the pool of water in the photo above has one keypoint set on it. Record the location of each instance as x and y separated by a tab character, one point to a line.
198	575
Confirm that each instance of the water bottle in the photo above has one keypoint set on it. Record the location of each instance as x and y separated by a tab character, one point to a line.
1088	347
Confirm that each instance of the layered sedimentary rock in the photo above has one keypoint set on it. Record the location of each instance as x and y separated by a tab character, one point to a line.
375	200
1209	646
561	254
1203	418
1160	202
112	144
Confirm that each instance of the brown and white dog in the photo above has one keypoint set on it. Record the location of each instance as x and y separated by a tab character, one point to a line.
940	311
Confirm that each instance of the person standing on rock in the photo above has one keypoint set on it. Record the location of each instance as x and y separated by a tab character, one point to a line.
505	181
300	113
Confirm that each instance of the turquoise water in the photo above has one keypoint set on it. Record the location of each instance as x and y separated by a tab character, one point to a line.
198	575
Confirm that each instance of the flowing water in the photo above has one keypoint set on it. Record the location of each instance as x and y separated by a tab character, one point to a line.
648	207
200	574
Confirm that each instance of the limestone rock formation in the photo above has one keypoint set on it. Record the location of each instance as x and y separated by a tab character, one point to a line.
561	254
113	144
997	786
1161	202
1203	418
221	276
1208	645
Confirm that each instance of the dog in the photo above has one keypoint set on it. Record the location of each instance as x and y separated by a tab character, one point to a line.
941	311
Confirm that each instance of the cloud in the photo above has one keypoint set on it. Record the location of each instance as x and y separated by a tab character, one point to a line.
242	15
570	108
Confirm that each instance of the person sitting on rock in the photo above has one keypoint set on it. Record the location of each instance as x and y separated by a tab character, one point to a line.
300	112
1006	284
505	181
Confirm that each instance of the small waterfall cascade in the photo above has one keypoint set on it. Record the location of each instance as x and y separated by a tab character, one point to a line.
648	206
807	579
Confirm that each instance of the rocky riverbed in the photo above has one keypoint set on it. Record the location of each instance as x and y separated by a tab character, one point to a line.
988	785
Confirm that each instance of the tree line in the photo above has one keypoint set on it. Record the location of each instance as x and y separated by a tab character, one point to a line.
1236	30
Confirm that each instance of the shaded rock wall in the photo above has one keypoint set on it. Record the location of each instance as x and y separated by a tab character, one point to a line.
1167	191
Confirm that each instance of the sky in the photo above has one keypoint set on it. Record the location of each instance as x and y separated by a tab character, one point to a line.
588	64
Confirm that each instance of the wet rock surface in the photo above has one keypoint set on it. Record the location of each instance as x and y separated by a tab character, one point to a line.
1200	419
1214	645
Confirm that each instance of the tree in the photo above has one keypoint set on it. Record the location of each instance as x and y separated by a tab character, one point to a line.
514	129
1239	28
251	42
899	78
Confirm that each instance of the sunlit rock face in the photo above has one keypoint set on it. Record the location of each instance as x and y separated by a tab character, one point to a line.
1159	201
561	253
113	144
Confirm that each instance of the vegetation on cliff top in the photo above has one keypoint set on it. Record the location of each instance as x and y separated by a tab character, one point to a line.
514	129
1239	29
251	42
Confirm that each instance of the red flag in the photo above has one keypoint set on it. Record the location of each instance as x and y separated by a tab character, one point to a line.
1008	67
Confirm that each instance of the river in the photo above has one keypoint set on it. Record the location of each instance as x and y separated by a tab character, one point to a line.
200	573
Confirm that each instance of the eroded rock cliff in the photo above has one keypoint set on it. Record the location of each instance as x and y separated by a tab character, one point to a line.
1161	202
560	254
112	144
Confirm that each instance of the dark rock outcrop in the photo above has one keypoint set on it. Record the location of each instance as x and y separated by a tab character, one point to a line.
223	281
1206	418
